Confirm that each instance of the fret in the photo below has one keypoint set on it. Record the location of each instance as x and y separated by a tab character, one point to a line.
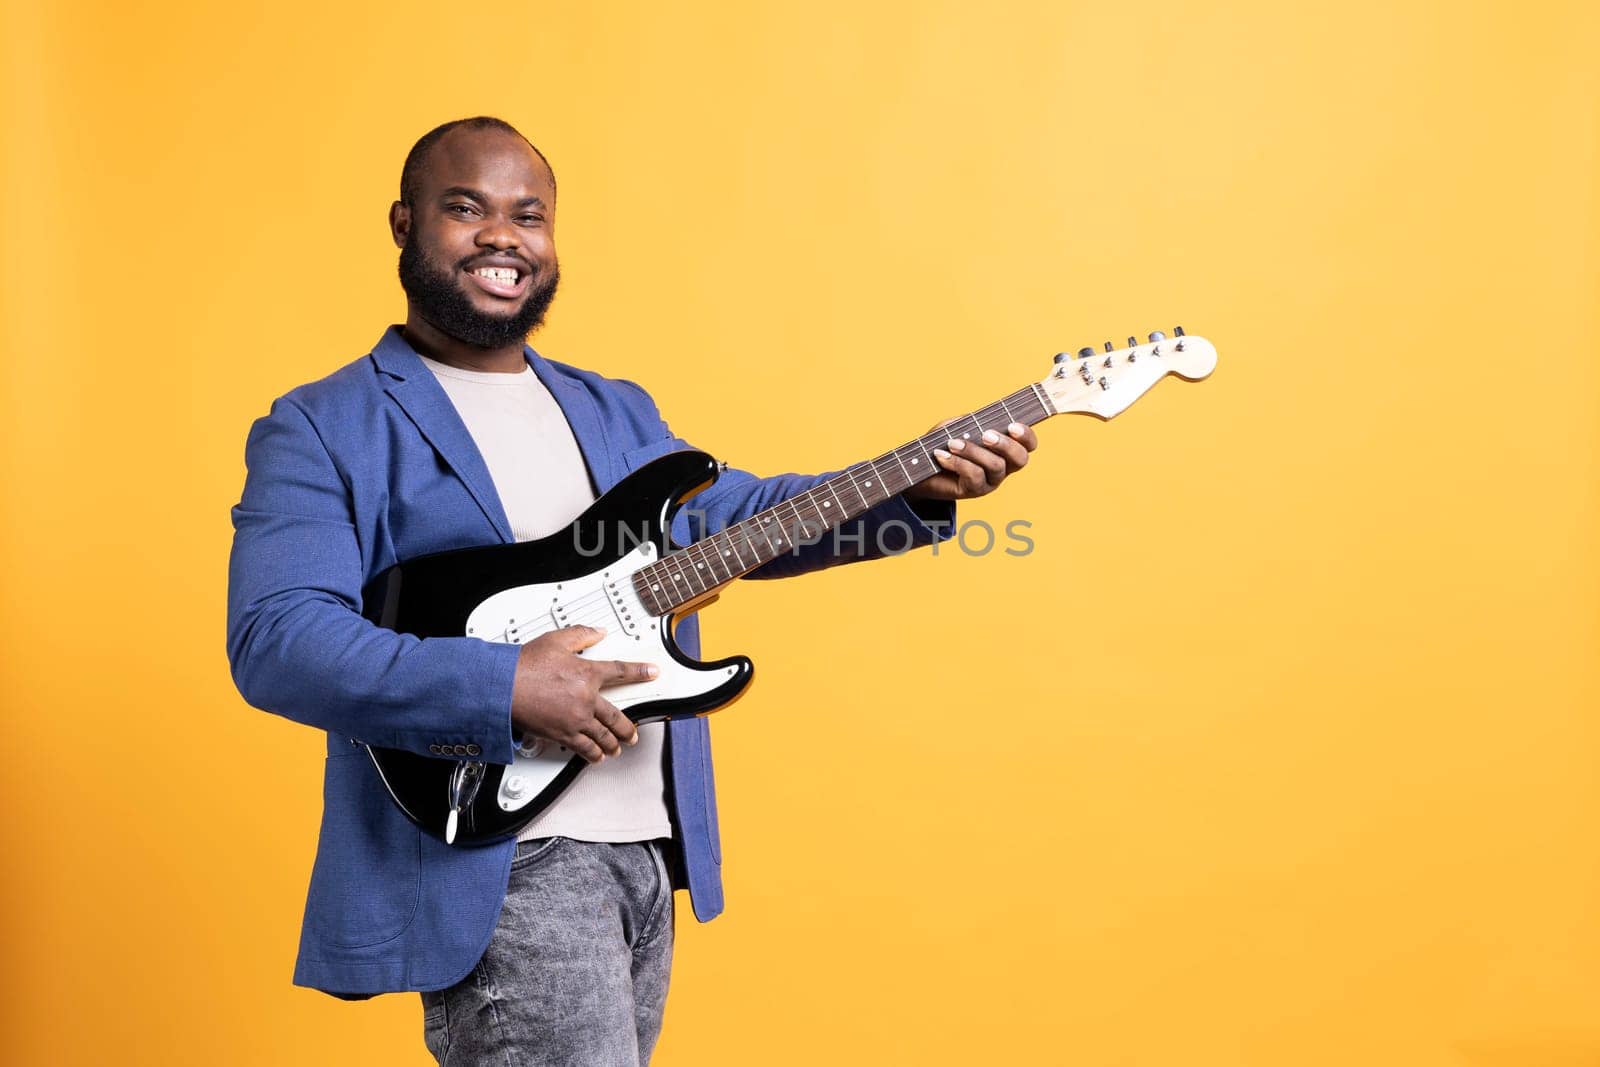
874	484
849	476
836	502
705	551
696	568
920	459
786	531
712	558
723	548
794	528
747	531
809	526
744	546
731	545
903	469
674	565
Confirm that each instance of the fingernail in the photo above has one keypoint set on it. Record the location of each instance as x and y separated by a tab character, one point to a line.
941	454
651	671
1016	428
634	740
990	436
957	444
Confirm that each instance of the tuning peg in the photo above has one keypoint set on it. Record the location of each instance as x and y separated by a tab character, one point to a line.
1110	347
1156	336
1177	331
1133	342
1085	352
1062	357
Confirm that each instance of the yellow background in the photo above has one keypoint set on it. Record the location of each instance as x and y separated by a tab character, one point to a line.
1280	748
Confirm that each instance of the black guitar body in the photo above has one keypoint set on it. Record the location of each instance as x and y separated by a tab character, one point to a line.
575	575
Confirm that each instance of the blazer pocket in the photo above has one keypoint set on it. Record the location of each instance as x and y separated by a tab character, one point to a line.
635	458
367	876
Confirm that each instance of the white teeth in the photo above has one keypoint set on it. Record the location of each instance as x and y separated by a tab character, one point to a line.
497	274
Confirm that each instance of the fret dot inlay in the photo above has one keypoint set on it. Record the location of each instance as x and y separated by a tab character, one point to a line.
767	535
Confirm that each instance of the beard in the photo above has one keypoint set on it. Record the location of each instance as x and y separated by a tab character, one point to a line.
439	298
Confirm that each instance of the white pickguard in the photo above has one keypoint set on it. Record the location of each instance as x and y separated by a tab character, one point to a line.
603	599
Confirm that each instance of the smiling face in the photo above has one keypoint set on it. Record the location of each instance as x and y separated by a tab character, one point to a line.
477	243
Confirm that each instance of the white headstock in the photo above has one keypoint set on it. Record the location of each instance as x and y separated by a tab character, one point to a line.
1105	383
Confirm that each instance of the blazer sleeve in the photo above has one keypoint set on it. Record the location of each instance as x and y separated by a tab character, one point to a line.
892	528
297	642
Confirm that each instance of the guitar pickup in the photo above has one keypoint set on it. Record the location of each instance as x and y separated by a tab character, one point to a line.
625	606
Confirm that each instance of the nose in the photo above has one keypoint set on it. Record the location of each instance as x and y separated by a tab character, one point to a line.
498	233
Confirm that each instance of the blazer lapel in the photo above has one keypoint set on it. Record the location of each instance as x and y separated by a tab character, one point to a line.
578	406
423	399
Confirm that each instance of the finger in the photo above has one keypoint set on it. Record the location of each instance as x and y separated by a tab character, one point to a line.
585	748
1024	435
942	486
1012	452
618	723
601	734
993	464
621	672
969	478
573	638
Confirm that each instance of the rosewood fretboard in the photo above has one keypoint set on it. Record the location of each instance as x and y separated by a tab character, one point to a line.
682	576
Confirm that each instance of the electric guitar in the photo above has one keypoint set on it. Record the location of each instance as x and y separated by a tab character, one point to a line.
615	567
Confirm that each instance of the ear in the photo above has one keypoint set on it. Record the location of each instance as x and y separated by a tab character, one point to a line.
399	223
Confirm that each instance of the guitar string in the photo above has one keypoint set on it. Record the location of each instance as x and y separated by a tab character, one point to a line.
850	475
587	603
582	610
1029	394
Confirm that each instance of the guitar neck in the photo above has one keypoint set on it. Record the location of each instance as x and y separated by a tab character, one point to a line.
690	573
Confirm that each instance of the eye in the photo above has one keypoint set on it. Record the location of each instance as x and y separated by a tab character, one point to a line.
529	220
460	210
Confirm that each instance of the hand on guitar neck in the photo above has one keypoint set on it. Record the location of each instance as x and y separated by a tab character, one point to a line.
973	468
556	696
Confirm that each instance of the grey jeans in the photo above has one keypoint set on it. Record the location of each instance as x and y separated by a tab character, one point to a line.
576	972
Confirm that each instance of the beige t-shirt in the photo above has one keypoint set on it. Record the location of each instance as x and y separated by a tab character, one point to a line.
543	485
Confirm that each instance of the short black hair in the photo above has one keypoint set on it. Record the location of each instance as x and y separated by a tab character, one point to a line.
416	159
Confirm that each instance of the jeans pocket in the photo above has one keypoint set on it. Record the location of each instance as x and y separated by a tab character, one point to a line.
531	851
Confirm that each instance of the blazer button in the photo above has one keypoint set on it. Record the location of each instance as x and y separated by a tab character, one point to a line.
460	750
474	750
434	749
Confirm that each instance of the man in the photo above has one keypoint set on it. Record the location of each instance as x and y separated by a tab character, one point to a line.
556	947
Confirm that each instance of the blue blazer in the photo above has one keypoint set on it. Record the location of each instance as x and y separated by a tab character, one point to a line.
371	466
